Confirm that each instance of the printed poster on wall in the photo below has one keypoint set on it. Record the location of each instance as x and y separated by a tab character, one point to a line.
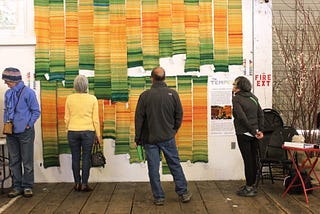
220	93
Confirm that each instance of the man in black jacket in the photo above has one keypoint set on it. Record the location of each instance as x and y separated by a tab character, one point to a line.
158	117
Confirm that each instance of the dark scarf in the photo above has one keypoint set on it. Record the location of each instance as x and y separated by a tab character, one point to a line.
12	97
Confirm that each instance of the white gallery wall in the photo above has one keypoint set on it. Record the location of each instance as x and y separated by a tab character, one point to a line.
225	163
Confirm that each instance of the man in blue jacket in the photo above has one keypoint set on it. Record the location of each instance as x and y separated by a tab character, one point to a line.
158	117
21	108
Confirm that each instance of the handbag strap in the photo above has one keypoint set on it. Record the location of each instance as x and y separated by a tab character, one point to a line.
96	147
19	98
14	110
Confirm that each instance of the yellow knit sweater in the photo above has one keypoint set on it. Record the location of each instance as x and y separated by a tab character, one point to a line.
82	113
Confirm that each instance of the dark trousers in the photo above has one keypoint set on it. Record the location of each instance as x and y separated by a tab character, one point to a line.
249	147
80	143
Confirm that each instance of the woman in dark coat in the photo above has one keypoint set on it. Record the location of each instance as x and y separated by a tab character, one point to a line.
248	123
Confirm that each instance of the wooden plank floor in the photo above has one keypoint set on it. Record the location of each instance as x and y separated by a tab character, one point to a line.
135	197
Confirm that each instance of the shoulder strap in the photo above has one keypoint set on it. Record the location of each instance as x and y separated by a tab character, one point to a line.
254	100
19	97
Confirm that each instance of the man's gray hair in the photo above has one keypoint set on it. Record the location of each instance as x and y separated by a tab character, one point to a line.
80	84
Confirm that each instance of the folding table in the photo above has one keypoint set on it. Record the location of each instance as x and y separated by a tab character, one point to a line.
308	164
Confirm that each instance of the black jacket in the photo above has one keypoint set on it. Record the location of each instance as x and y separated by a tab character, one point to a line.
158	114
247	113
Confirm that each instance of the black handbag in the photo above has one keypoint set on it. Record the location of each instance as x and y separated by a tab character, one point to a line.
97	157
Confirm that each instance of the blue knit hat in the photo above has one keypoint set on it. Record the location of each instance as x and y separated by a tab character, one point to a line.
11	75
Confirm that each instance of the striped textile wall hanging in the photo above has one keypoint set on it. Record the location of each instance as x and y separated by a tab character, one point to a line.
171	82
184	137
102	51
136	87
41	20
134	40
57	40
122	140
62	94
109	120
150	34
101	116
76	34
235	32
91	85
49	124
200	119
86	37
110	36
191	17
205	32
221	51
71	42
165	28
118	47
178	27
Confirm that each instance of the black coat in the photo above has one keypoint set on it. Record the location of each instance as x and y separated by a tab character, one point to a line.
158	114
247	113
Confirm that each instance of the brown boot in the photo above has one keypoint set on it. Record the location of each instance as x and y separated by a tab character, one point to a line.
77	187
86	188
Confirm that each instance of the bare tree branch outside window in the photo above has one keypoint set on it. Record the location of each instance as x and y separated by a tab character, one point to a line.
296	87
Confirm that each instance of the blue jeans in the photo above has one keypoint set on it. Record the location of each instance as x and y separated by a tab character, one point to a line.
81	140
170	152
21	151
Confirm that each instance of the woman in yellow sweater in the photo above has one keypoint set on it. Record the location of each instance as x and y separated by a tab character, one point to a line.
82	124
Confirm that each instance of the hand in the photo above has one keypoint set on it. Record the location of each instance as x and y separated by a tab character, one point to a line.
259	135
97	139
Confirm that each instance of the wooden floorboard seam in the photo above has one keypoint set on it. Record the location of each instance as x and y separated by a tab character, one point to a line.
276	202
201	196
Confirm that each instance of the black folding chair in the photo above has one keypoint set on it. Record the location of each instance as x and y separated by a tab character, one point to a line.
272	121
273	156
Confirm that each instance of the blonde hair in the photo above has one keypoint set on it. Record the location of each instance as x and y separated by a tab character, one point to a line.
80	84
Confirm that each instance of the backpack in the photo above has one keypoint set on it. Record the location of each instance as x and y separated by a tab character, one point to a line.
296	188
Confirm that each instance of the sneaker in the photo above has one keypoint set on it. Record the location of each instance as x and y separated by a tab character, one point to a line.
247	191
255	189
241	189
27	193
158	201
14	193
185	198
86	188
